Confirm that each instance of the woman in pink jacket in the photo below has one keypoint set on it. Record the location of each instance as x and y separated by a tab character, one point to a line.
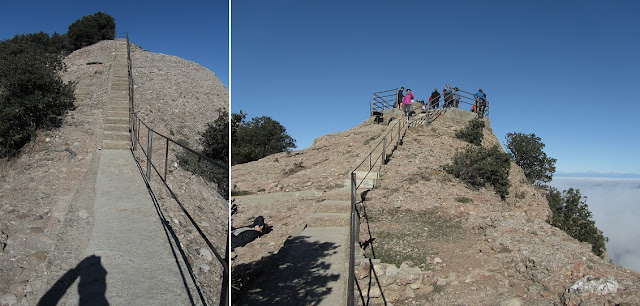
407	107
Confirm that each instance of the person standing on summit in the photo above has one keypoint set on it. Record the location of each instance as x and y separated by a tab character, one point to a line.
399	97
481	102
407	107
434	99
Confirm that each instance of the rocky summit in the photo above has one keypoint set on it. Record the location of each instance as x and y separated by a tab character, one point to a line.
426	238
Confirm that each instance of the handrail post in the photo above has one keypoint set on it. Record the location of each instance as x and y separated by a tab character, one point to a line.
149	145
166	159
384	150
134	131
352	242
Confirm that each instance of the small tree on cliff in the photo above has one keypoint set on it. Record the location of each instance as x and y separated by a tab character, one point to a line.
526	152
255	139
571	214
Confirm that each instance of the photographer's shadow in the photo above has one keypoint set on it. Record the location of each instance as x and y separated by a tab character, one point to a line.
91	288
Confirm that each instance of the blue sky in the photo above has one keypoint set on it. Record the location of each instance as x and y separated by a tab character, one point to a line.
564	70
194	30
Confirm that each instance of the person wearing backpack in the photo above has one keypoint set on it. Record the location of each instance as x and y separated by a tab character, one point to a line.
243	235
434	99
481	102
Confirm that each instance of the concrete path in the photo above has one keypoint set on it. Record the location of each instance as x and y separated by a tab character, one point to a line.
310	270
128	260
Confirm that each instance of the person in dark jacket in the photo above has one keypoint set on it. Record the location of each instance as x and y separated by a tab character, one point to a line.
481	102
448	96
434	99
242	236
399	97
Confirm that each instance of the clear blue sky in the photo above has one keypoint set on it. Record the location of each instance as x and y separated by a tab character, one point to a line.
567	71
194	30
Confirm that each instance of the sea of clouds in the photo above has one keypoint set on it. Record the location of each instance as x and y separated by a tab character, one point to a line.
615	204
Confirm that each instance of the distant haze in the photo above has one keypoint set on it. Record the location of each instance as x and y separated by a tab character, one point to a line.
615	204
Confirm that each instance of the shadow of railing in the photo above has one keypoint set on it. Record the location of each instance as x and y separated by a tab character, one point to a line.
293	276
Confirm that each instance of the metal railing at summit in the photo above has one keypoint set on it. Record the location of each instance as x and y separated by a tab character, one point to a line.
156	155
386	99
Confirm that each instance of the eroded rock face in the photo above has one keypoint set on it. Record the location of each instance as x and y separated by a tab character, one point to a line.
46	211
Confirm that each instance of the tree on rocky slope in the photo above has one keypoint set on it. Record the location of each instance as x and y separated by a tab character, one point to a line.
255	139
571	214
91	29
32	94
526	151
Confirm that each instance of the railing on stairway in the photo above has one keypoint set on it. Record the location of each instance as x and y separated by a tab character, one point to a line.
376	158
135	126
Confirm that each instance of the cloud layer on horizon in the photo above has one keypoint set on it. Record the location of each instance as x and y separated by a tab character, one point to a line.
614	204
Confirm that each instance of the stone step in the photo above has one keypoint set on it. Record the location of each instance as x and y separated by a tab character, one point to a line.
116	145
122	136
329	206
329	220
117	108
366	183
116	120
344	194
369	179
118	114
119	104
116	127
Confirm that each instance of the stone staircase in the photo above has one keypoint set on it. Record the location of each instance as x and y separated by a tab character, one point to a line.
116	122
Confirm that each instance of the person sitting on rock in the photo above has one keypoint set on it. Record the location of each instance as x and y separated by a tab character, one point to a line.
243	235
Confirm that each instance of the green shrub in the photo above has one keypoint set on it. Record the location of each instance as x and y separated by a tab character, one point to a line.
464	200
91	29
472	132
32	94
215	143
215	140
526	151
255	139
571	214
478	166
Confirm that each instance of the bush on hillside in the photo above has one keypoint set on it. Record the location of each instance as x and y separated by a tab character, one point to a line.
571	214
255	139
478	166
215	143
91	29
215	140
526	151
32	94
472	132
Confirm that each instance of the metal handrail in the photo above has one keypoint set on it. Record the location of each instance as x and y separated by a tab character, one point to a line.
355	214
135	122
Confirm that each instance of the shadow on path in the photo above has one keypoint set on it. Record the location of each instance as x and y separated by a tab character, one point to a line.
92	286
296	275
